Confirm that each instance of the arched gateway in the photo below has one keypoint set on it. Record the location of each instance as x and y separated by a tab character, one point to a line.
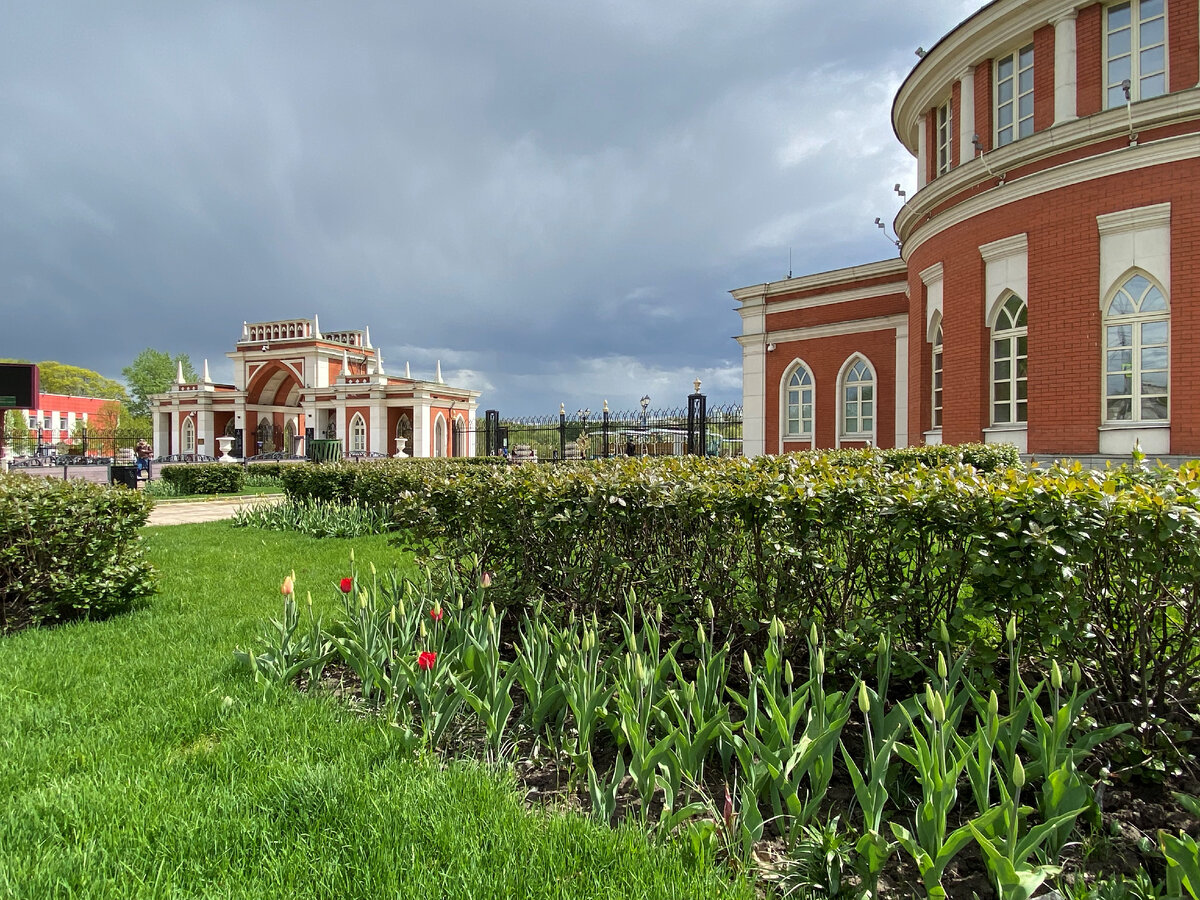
292	382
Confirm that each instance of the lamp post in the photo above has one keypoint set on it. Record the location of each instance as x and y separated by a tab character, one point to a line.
645	401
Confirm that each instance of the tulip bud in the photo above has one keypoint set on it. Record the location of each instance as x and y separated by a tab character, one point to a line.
812	634
400	607
709	613
864	699
1018	773
788	676
421	629
821	661
1055	676
943	634
545	633
392	615
746	662
1076	674
700	636
939	708
308	598
459	601
289	585
362	600
941	665
993	705
351	554
372	565
1010	633
658	614
881	646
639	669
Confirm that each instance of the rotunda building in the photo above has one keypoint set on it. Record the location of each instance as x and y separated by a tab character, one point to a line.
1047	290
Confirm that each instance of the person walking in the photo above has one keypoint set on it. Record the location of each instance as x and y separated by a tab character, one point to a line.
143	451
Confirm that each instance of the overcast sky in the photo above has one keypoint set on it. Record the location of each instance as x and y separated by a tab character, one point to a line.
553	198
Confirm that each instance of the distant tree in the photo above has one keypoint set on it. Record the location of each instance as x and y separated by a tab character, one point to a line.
60	378
16	432
153	372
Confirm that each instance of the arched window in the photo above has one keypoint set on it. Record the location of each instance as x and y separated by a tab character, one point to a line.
1009	352
1136	326
858	400
460	437
189	435
439	436
798	403
404	430
358	434
937	373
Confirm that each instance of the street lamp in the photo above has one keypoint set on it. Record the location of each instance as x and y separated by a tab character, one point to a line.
645	401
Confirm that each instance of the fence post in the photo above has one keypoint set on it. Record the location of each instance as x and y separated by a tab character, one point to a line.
562	431
604	428
697	428
491	420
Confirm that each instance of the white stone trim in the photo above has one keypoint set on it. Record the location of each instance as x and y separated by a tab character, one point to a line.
829	278
754	396
1118	439
933	437
966	115
1114	162
922	151
1135	239
1008	434
1006	263
856	326
1065	67
863	293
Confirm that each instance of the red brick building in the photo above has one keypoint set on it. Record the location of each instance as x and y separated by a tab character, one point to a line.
1048	290
57	418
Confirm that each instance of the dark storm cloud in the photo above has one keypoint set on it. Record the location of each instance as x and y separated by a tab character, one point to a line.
551	198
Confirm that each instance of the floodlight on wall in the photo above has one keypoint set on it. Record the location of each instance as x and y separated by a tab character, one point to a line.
978	145
896	187
879	224
920	51
770	348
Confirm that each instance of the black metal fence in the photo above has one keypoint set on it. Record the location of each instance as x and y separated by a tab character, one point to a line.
584	434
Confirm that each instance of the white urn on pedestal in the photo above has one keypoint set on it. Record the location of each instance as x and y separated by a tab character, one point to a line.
401	443
225	444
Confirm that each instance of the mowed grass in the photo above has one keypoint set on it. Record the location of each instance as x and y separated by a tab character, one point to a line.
136	760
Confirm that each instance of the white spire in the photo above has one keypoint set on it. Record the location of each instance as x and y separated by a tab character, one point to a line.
407	371
438	377
345	363
316	327
179	373
245	331
379	361
367	336
207	379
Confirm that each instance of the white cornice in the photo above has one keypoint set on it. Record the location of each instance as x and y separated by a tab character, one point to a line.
1181	106
1114	162
833	277
1157	216
995	28
854	326
932	275
863	293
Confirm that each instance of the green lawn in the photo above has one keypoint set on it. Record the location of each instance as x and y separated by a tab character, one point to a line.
137	761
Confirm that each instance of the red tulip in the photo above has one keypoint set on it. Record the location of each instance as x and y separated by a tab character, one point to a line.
347	585
426	659
436	613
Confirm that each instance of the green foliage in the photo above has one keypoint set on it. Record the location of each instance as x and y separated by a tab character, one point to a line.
316	518
69	550
153	372
204	478
16	433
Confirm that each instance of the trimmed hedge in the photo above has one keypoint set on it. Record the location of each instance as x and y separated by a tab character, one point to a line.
69	550
271	469
205	478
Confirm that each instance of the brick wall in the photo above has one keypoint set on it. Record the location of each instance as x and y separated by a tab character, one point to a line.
1043	78
1183	35
1089	61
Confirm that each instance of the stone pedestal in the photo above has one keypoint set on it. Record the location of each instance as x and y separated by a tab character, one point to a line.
225	444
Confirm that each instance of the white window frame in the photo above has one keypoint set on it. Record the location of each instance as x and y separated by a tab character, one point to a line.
943	132
937	386
785	392
1016	405
1137	320
844	386
189	435
1020	126
358	434
1114	97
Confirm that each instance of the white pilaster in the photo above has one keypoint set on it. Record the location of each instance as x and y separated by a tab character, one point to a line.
173	445
1064	67
420	427
922	151
966	115
204	432
377	433
902	386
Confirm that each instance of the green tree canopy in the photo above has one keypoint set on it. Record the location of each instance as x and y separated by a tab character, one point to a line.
60	378
153	372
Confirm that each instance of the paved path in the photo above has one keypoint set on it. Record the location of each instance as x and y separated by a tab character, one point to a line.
183	512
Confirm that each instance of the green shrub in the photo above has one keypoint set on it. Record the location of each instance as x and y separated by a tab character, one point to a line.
205	478
69	550
316	518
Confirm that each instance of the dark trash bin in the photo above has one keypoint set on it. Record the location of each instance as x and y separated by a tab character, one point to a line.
126	475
